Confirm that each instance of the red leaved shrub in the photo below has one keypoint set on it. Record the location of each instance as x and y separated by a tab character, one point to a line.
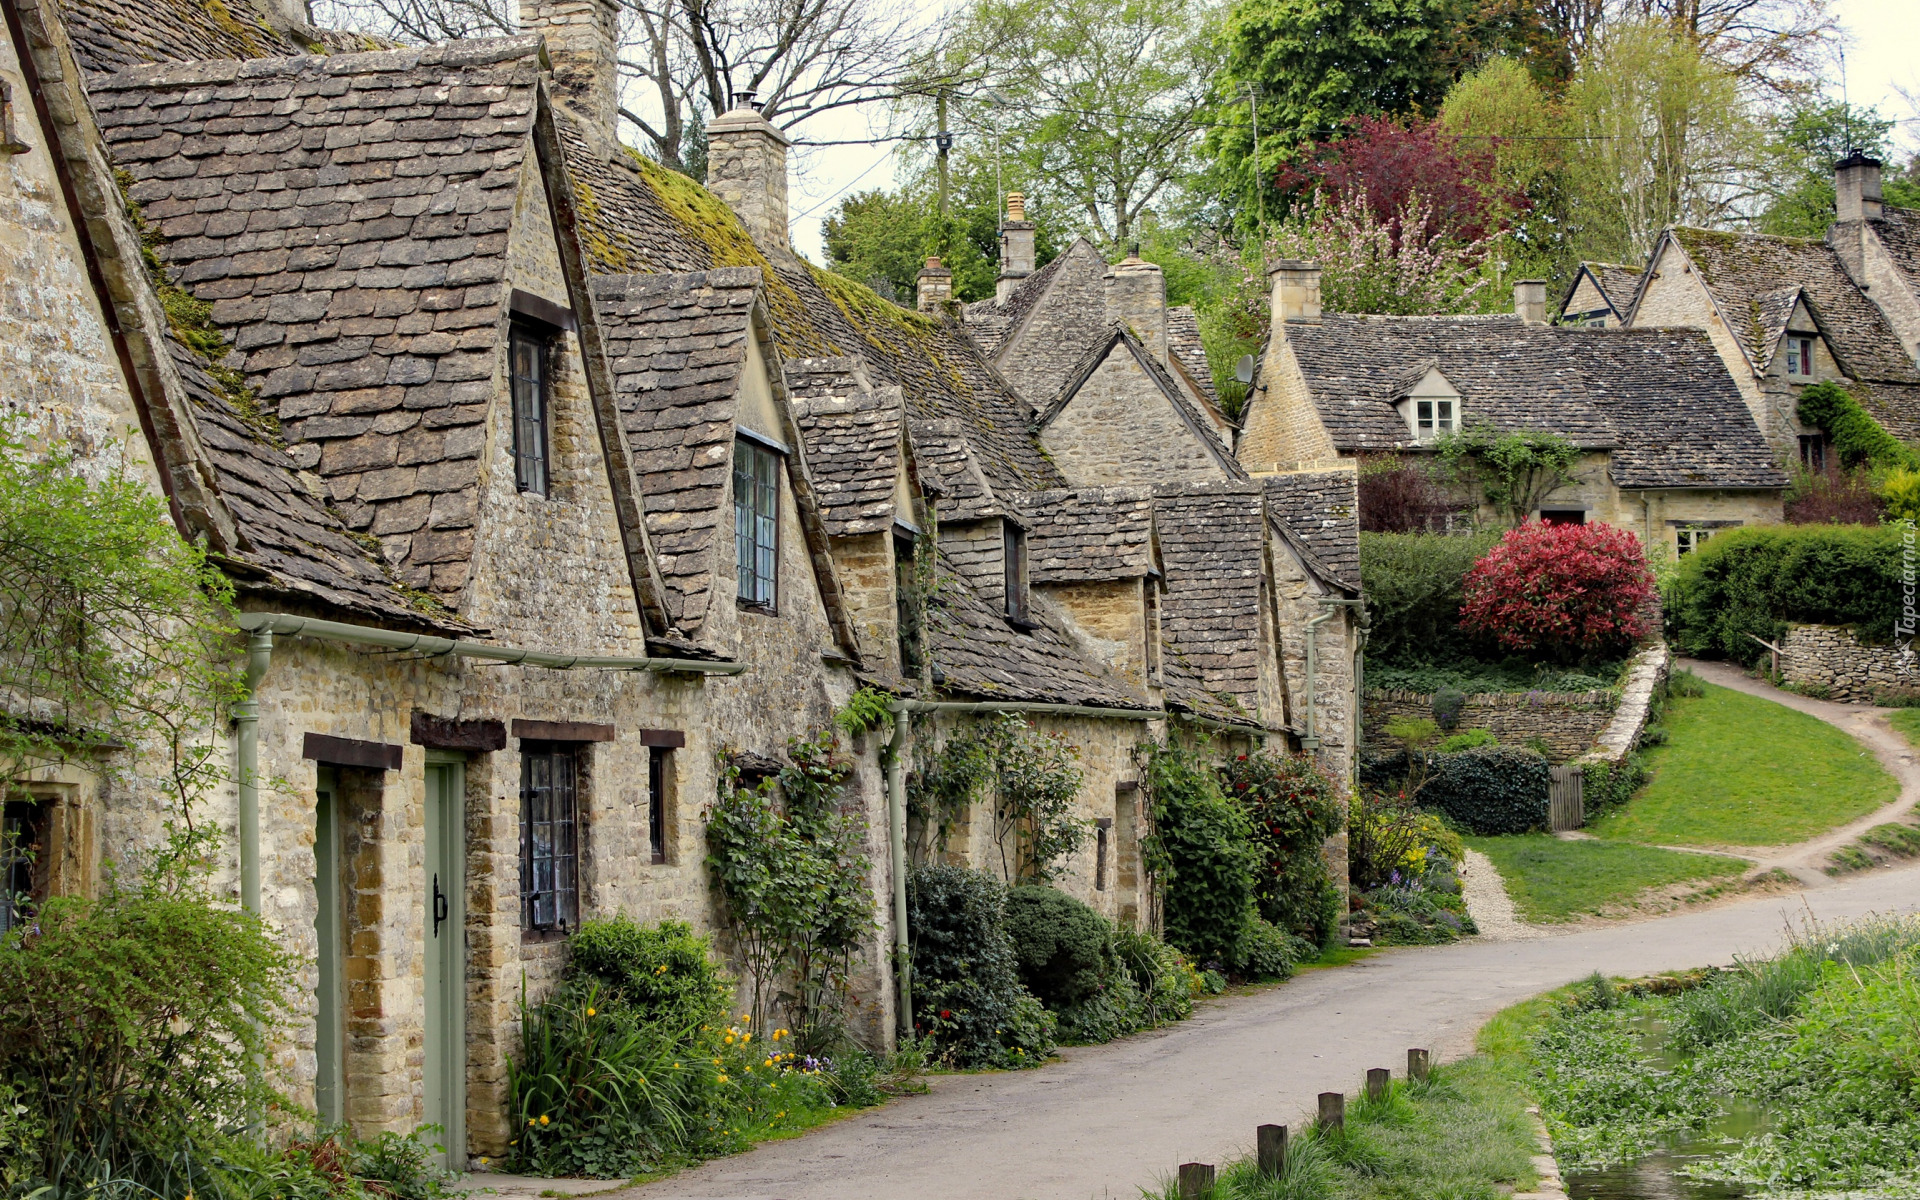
1570	592
1398	495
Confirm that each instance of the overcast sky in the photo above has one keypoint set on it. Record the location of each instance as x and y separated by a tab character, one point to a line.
1883	52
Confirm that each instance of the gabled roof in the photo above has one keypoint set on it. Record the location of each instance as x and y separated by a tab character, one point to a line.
1899	232
1322	509
950	472
1186	349
999	321
1748	274
1212	546
853	440
1660	399
109	35
347	218
1082	535
1617	283
976	653
1119	335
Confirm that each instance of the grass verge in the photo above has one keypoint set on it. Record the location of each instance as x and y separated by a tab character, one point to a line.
1877	846
1741	771
1463	1133
1907	721
1554	880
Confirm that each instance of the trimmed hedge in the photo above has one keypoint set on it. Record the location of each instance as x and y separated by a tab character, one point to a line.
1488	791
1757	579
1063	949
1413	585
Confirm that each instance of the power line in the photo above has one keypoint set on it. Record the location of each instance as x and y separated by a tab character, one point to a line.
843	187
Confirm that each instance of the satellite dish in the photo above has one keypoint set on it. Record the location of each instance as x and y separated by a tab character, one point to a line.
1243	370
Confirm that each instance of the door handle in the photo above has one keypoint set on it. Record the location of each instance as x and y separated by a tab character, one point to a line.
439	904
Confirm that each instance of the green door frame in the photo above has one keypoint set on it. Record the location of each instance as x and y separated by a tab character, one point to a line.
329	1038
445	1075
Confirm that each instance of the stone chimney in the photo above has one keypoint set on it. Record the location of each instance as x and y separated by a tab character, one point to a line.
581	37
1137	295
1296	292
1856	188
1016	247
747	167
1530	300
935	287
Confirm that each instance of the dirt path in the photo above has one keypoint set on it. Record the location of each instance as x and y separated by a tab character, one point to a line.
1867	725
1111	1118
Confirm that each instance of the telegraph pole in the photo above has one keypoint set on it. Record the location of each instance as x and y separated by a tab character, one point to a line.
942	142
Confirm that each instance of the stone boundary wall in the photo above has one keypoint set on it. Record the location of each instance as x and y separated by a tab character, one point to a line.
1637	683
1568	722
1830	657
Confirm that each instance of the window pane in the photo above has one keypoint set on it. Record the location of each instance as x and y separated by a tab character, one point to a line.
528	354
756	527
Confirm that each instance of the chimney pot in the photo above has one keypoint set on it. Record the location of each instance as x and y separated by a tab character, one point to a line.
1530	300
1856	188
744	100
934	286
1296	292
1016	207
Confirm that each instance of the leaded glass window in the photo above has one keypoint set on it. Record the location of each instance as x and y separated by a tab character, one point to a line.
549	839
756	522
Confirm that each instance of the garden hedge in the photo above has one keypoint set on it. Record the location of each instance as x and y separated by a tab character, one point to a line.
968	1003
1488	791
1413	584
1755	580
1063	949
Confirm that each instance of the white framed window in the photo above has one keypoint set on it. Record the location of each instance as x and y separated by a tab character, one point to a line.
1433	417
1691	539
1799	356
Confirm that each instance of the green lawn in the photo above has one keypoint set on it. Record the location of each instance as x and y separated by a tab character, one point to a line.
1554	880
1741	771
1907	721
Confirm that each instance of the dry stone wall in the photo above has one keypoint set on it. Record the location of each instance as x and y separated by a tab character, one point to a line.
1830	659
1567	722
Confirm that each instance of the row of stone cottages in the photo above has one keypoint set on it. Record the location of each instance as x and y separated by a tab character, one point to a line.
557	479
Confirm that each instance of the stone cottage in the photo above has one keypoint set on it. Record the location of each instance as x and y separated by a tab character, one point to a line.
550	481
1784	313
1667	447
1600	294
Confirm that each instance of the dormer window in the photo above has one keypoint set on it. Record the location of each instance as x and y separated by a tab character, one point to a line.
1014	556
1799	356
1433	418
756	522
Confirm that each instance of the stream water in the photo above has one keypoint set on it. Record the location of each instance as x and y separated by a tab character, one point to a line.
1657	1175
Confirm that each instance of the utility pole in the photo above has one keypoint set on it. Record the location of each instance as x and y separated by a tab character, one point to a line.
942	142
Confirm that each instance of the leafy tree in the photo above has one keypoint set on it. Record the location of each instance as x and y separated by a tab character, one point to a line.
1777	47
1308	65
1575	592
1514	471
1100	101
1800	152
1501	107
1387	163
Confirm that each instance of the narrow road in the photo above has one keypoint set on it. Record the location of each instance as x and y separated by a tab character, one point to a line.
1110	1119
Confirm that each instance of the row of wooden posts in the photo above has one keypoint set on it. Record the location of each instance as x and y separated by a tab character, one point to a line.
1270	1141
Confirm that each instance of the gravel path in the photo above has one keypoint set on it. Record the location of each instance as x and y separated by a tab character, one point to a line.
1492	909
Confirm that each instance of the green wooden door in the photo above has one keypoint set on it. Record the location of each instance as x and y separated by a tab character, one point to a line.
329	1041
446	959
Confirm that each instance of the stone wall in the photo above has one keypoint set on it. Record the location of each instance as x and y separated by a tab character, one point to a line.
1637	683
1120	430
1568	722
1830	658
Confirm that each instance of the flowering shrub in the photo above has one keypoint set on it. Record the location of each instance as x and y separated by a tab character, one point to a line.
1569	591
969	1007
1293	808
1406	263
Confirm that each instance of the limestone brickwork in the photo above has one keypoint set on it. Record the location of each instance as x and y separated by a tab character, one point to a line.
1119	430
1833	661
1567	722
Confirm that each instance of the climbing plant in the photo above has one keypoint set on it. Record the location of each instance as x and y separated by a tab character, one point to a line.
1029	780
1292	808
1200	854
788	863
1514	471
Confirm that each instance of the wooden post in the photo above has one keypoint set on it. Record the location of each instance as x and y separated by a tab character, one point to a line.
1377	1080
1416	1064
1196	1181
1333	1110
1270	1147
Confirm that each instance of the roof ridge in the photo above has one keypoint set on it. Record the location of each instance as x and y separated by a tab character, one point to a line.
468	52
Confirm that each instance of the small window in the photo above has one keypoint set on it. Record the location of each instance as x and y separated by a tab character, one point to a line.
1432	418
657	802
22	853
1102	828
1563	516
1799	356
906	599
1813	451
1692	539
549	839
756	522
530	352
1014	557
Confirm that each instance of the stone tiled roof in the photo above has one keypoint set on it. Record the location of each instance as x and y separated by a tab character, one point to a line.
639	217
1618	283
977	654
949	470
1323	509
1078	535
346	218
677	345
1899	230
987	322
1748	275
852	437
1020	301
1212	544
1660	399
1183	343
290	542
109	35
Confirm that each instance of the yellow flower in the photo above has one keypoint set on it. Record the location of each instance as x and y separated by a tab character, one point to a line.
729	1039
483	1160
676	1066
746	1016
746	1037
776	1116
591	1012
543	1118
531	1121
716	1062
767	1063
723	1078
